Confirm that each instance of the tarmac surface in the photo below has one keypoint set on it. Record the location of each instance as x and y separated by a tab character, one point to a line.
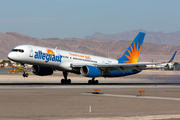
36	98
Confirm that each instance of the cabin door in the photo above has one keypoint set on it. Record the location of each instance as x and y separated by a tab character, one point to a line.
30	52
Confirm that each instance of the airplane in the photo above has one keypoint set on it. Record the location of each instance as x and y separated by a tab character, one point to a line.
46	60
170	62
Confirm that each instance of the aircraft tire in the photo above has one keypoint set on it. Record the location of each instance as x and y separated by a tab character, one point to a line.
26	75
62	81
69	81
93	82
90	82
23	75
96	82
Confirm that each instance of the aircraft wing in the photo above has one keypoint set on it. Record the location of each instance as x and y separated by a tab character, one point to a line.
120	67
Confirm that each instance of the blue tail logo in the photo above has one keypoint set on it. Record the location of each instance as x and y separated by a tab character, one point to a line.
131	55
171	60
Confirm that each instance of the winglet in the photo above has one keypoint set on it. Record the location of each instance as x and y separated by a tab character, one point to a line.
131	55
171	60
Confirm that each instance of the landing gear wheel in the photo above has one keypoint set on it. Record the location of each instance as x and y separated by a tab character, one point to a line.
90	82
93	82
25	75
63	81
69	81
96	82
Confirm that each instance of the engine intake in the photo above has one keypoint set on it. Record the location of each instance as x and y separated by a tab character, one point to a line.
90	71
42	71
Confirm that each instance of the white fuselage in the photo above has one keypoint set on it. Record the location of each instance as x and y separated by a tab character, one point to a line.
163	65
57	59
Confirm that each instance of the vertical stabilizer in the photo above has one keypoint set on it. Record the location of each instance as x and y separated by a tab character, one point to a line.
171	60
132	53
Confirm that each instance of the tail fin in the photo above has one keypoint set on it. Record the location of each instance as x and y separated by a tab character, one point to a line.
132	53
171	60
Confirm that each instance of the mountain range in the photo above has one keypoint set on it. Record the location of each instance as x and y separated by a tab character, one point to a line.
91	46
172	39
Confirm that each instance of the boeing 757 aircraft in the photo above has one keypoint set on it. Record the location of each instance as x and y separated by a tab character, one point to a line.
169	63
46	60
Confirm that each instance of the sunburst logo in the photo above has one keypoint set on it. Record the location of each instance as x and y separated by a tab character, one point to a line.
171	61
50	51
133	54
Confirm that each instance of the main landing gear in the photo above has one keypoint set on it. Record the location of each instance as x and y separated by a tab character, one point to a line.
93	81
65	80
25	74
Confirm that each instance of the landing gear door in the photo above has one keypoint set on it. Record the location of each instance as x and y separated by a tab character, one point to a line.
30	52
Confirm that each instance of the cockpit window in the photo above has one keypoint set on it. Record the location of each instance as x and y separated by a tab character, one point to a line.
20	50
17	50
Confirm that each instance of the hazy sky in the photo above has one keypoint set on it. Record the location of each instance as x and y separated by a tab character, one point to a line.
78	18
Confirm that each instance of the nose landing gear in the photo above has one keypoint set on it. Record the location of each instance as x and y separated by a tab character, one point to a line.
25	73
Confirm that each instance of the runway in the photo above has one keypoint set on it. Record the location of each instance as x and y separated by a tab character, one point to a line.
45	98
73	101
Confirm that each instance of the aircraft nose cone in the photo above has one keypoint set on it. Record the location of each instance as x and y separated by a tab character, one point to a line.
11	56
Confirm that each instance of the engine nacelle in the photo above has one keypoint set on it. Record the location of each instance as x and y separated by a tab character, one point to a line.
42	71
90	71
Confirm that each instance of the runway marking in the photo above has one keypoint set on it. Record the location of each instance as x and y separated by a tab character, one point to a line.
132	96
150	117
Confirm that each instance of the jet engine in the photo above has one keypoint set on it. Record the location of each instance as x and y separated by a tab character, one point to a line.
90	71
42	71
